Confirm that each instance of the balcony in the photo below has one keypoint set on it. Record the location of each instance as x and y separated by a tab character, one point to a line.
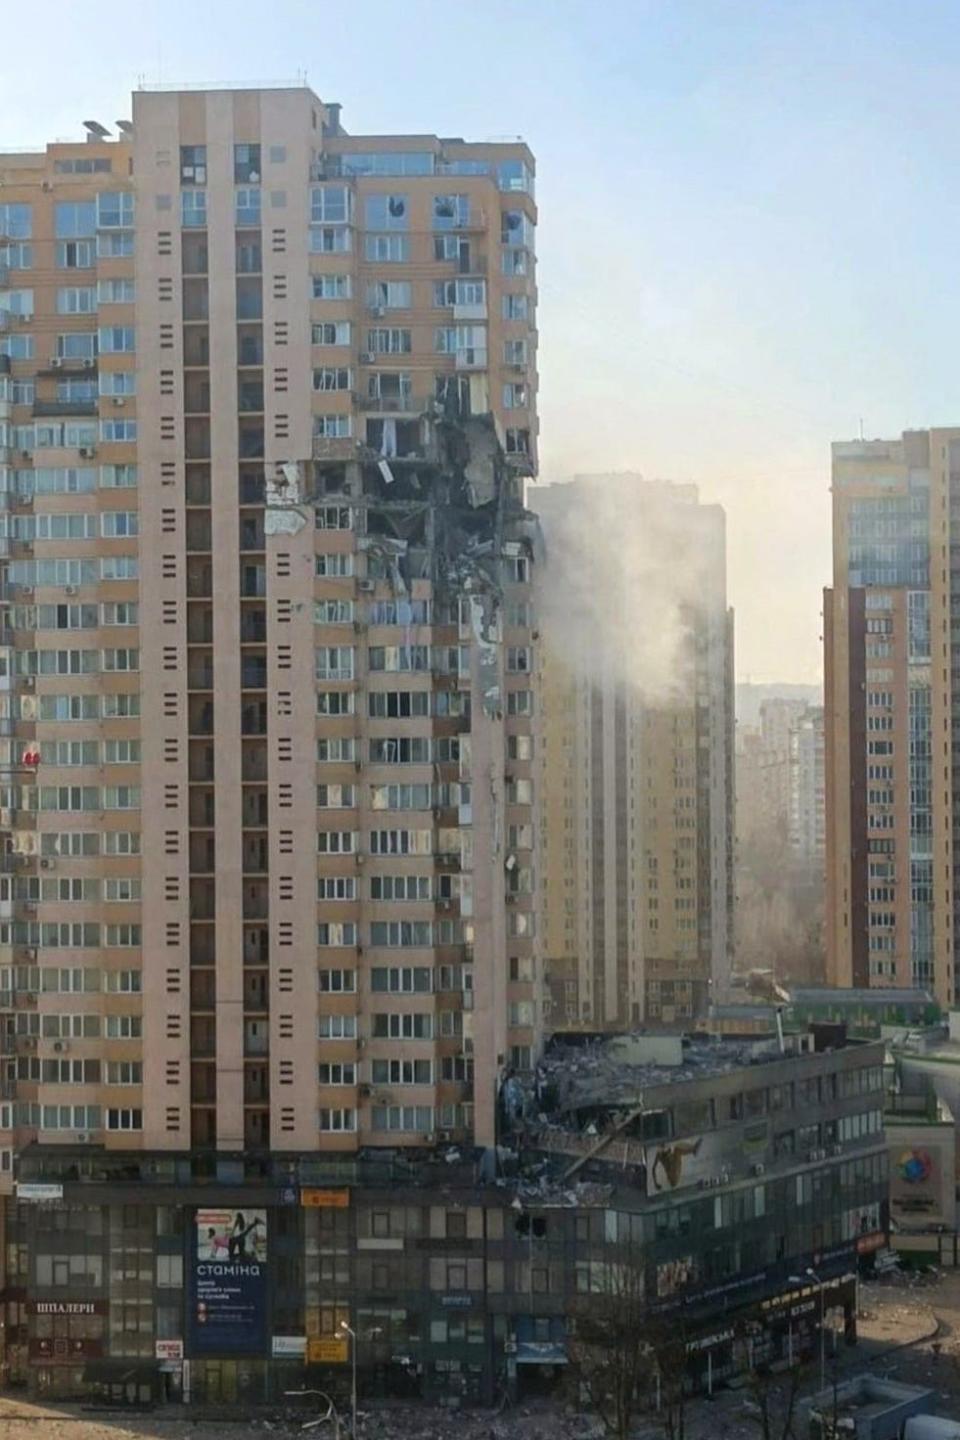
340	447
44	408
391	404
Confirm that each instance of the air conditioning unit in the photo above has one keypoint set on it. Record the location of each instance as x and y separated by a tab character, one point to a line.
366	586
31	954
29	1042
378	310
25	454
86	452
89	364
368	357
27	682
758	1169
47	864
83	1138
119	400
30	906
444	1134
56	363
70	590
61	1047
26	590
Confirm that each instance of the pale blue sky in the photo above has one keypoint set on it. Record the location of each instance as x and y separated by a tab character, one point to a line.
748	218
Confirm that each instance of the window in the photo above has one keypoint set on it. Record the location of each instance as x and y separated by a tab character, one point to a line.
387	249
336	750
336	887
333	517
515	396
399	888
450	212
338	1073
117	340
401	979
335	565
330	240
402	933
459	292
332	378
336	797
390	341
246	164
417	1118
114	244
336	935
337	982
115	291
332	427
76	300
515	352
331	287
335	702
74	219
16	221
193	208
248	205
468	343
77	346
115	210
338	1120
76	255
401	1072
390	294
16	255
409	1026
331	205
386	212
515	307
337	842
193	164
331	333
124	1119
337	1027
118	382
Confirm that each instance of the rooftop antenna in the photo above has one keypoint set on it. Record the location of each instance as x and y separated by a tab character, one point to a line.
861	427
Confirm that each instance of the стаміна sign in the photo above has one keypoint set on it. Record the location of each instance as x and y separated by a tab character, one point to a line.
228	1283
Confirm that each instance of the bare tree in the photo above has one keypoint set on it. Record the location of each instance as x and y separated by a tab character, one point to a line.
773	1394
624	1358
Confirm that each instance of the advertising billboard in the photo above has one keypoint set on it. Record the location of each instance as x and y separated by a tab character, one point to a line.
228	1283
918	1180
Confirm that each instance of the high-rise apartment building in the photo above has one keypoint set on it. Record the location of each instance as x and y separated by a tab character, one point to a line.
636	767
267	402
890	632
807	812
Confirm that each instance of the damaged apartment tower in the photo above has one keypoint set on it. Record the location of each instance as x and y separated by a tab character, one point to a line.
267	405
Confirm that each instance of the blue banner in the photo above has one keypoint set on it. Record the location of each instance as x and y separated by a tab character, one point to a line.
228	1283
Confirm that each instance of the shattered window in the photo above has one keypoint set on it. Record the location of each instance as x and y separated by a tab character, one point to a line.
387	212
451	212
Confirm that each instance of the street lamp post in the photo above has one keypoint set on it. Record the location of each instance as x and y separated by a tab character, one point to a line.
823	1331
353	1387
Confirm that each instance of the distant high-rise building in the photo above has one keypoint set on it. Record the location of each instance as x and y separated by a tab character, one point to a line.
267	402
807	812
636	766
891	626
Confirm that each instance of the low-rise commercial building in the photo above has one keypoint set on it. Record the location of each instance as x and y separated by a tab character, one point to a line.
748	1181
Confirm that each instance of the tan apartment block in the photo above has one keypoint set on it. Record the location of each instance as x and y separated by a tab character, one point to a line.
637	755
267	406
888	641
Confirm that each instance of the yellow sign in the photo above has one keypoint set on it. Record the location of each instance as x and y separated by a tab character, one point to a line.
329	1351
325	1199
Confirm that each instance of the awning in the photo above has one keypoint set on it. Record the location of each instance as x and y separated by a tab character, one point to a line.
119	1372
541	1352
